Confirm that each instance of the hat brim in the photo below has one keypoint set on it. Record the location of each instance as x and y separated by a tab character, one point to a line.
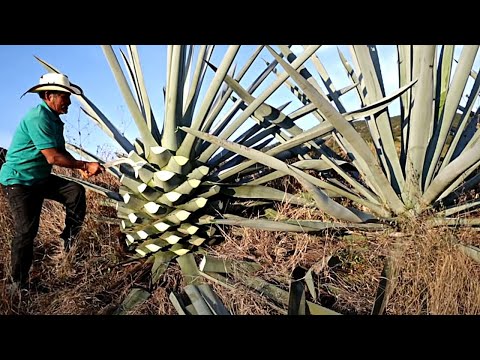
73	89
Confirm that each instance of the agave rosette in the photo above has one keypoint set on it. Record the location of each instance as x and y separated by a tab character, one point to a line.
179	170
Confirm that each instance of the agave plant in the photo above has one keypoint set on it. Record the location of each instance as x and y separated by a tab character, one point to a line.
178	172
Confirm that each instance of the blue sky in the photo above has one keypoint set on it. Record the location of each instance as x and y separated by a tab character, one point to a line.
87	66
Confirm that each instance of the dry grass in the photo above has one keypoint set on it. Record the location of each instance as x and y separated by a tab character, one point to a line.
433	277
346	269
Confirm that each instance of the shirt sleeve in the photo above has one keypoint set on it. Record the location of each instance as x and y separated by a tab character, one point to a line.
43	132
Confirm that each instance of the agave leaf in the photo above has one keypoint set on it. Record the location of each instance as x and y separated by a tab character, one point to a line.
460	188
178	304
293	89
278	295
455	222
270	114
143	94
143	129
290	57
101	120
322	130
263	192
319	225
249	137
459	182
359	188
471	251
212	264
459	134
315	309
161	261
327	81
98	189
452	101
404	76
218	279
421	119
379	105
320	196
265	112
309	108
270	130
213	115
313	133
467	134
387	279
473	73
189	269
317	164
361	56
133	79
197	300
460	208
357	161
195	85
473	139
443	81
135	297
174	99
294	142
204	54
212	300
451	172
372	80
186	79
261	224
255	104
310	285
296	300
239	104
323	201
238	159
187	144
352	75
349	133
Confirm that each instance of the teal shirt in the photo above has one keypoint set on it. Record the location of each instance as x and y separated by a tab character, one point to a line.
39	129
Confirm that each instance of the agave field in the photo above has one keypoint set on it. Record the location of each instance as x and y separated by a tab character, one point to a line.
189	163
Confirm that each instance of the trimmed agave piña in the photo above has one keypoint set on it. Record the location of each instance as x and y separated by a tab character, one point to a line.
178	168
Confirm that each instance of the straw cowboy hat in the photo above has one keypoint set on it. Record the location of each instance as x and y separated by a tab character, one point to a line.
54	81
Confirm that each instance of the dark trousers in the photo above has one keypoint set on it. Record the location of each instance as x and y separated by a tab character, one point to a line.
25	206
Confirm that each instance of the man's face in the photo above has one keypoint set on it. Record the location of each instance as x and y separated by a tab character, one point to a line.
59	101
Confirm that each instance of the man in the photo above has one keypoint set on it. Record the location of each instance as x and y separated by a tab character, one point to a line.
26	178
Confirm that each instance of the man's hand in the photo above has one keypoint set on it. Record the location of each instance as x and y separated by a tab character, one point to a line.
65	159
91	169
84	174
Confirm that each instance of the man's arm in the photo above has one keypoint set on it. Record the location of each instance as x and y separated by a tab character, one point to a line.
65	159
